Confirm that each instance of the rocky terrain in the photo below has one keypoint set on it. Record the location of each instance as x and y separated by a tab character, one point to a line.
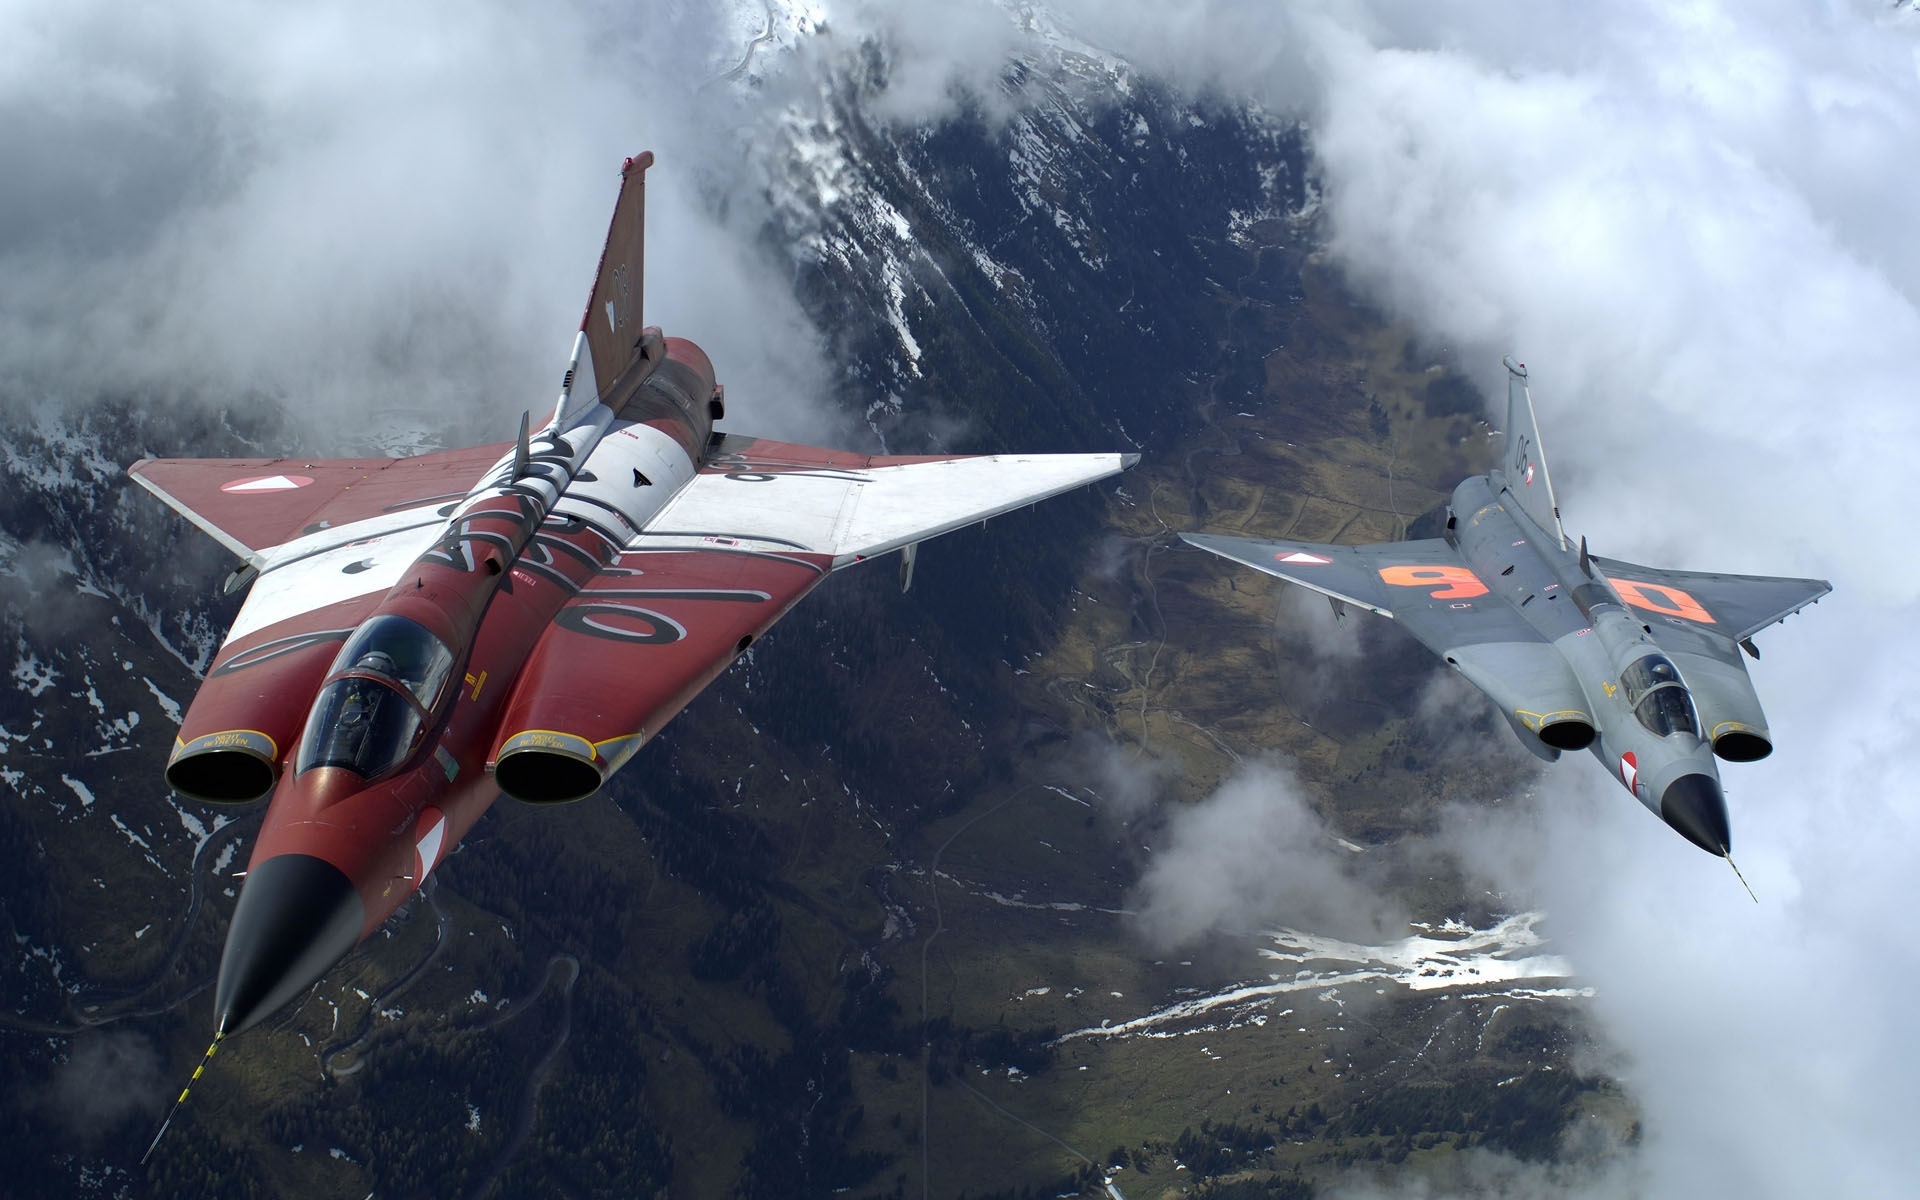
885	911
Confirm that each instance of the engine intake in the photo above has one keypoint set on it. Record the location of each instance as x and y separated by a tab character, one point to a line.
540	766
1737	743
234	766
1568	730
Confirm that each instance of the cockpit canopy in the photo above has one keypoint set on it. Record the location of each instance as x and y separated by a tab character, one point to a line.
382	687
1659	697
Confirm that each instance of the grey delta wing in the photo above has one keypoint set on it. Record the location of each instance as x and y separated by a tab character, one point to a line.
1642	666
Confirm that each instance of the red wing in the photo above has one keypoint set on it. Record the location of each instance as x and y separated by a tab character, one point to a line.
250	504
628	652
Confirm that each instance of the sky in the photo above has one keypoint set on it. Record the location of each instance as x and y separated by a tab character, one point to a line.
1692	220
370	210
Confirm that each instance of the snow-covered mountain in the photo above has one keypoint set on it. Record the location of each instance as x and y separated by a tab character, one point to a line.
613	1000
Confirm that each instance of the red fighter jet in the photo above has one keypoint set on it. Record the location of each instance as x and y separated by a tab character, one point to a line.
424	634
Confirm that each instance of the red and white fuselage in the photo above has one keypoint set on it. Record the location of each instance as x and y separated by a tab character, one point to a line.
417	643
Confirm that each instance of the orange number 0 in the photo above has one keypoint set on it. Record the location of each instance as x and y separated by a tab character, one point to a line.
1462	583
1667	601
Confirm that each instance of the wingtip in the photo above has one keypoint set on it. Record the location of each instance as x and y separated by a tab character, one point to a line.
1514	365
1128	460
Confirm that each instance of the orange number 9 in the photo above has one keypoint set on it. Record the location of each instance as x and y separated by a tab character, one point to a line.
1462	584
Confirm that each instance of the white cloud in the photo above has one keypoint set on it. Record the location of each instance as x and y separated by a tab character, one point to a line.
358	208
1695	223
1255	853
1662	237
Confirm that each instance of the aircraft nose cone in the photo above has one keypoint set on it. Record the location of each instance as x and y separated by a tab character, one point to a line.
298	915
1694	805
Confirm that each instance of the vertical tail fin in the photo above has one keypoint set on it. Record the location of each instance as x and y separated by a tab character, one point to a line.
1524	466
616	340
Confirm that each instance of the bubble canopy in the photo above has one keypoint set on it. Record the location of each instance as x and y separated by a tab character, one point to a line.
1659	696
381	688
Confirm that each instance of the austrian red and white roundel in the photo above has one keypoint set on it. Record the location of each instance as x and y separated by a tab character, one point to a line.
266	483
1630	771
429	839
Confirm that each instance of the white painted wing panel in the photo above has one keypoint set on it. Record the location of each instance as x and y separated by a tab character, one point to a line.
854	513
315	580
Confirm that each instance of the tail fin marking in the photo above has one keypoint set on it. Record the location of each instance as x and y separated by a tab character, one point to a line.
612	326
1524	465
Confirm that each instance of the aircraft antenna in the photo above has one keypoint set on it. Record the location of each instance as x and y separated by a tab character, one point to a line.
521	455
1736	875
205	1059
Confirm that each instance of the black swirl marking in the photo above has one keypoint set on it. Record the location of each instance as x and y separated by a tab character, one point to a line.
599	620
580	498
279	647
553	548
455	553
733	595
560	578
572	523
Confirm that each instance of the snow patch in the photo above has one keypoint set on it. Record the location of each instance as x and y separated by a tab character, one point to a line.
33	676
1450	956
168	704
86	801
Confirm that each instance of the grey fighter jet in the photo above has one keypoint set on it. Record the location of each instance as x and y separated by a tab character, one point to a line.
1640	665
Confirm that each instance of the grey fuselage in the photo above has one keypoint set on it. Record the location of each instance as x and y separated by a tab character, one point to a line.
1640	719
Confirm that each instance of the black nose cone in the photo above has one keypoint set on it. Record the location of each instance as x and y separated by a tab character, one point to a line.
298	915
1694	805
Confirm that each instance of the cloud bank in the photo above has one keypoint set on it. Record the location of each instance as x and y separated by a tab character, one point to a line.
1694	222
1253	854
359	210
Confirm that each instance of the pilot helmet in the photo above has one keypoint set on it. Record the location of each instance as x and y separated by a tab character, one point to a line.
380	663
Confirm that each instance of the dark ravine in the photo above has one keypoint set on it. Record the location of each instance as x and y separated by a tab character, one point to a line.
537	1078
331	1054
